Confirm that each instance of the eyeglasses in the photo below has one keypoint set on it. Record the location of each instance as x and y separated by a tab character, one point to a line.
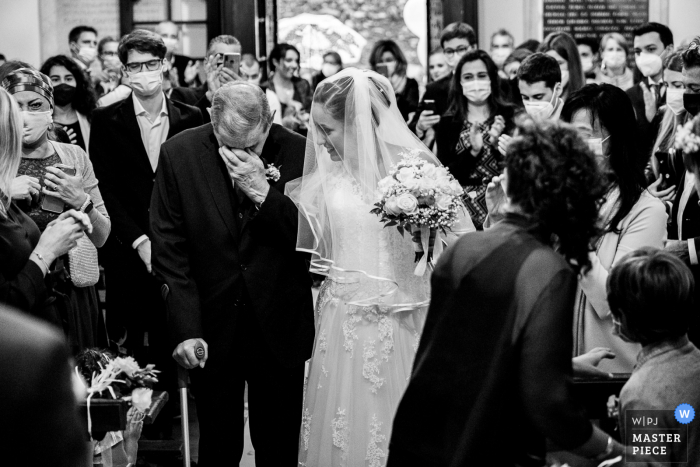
137	67
460	51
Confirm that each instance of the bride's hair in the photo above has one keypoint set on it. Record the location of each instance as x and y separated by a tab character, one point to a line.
554	179
333	95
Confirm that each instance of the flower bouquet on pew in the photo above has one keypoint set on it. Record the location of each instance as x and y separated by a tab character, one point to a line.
419	197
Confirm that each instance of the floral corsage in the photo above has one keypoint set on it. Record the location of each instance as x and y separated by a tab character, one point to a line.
273	173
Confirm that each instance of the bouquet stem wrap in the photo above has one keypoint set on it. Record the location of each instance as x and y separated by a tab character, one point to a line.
425	240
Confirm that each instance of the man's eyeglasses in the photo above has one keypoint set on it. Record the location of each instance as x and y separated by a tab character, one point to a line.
460	50
137	67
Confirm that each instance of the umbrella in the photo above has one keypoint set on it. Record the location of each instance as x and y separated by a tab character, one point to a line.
315	35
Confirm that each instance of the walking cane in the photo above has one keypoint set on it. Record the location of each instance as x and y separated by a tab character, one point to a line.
182	376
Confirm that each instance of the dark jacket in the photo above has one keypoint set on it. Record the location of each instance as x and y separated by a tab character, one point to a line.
122	166
439	92
187	95
41	423
220	257
407	101
647	130
180	63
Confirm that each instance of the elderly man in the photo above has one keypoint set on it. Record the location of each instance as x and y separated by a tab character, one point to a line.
238	294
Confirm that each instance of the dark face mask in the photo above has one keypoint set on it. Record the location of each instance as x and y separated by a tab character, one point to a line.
63	94
691	103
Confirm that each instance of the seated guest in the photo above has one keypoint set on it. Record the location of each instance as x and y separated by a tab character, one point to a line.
487	352
47	164
37	398
539	82
437	66
588	51
74	97
125	149
652	43
651	296
251	71
632	218
387	53
467	136
27	253
332	64
456	40
613	68
562	47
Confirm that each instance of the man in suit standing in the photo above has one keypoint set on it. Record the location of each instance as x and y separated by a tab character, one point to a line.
238	293
37	401
456	40
652	43
124	148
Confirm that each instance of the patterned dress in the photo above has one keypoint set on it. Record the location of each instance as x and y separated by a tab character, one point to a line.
37	168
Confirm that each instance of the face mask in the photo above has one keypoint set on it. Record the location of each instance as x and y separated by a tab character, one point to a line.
63	94
617	330
170	44
87	54
147	83
564	78
477	91
499	56
649	64
539	110
36	124
596	145
691	103
587	64
329	69
674	99
615	59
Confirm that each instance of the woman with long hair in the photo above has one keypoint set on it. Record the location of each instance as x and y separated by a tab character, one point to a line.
60	177
467	135
26	253
632	218
293	92
563	48
74	98
387	52
497	339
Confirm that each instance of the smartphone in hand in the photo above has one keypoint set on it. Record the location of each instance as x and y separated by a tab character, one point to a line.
665	169
232	61
429	104
383	69
55	204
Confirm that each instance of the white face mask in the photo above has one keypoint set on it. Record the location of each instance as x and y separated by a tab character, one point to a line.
649	64
329	69
596	145
147	83
615	58
587	64
674	100
477	91
540	110
36	124
170	44
87	54
499	56
564	78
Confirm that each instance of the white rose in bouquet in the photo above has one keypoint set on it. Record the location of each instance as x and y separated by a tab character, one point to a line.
429	171
407	203
391	206
443	202
427	183
405	173
456	188
385	184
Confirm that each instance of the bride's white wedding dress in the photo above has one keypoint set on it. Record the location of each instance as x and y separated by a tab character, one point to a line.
363	353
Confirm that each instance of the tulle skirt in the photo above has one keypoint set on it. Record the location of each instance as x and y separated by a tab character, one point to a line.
360	367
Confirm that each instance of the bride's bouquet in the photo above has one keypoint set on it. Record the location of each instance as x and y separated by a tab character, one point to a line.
419	197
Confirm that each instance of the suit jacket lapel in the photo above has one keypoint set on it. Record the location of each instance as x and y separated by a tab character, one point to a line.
219	184
175	118
133	133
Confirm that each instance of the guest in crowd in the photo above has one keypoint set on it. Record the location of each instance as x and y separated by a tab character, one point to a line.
387	53
82	41
652	43
691	77
613	68
531	44
467	136
487	352
332	64
502	43
588	50
540	85
109	59
562	47
74	98
293	92
632	217
513	62
646	282
37	399
437	66
184	69
27	252
456	40
125	145
252	71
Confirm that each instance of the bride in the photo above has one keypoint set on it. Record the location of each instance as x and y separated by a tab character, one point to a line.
371	307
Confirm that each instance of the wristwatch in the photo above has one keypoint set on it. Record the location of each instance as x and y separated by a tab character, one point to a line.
87	205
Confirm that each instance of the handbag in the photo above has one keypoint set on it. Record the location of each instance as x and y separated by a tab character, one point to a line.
82	260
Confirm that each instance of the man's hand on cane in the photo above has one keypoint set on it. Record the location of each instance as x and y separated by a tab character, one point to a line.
191	353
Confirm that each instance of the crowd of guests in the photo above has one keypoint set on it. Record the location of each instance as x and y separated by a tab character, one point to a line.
80	141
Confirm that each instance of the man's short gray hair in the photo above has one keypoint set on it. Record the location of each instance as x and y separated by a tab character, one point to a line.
237	110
